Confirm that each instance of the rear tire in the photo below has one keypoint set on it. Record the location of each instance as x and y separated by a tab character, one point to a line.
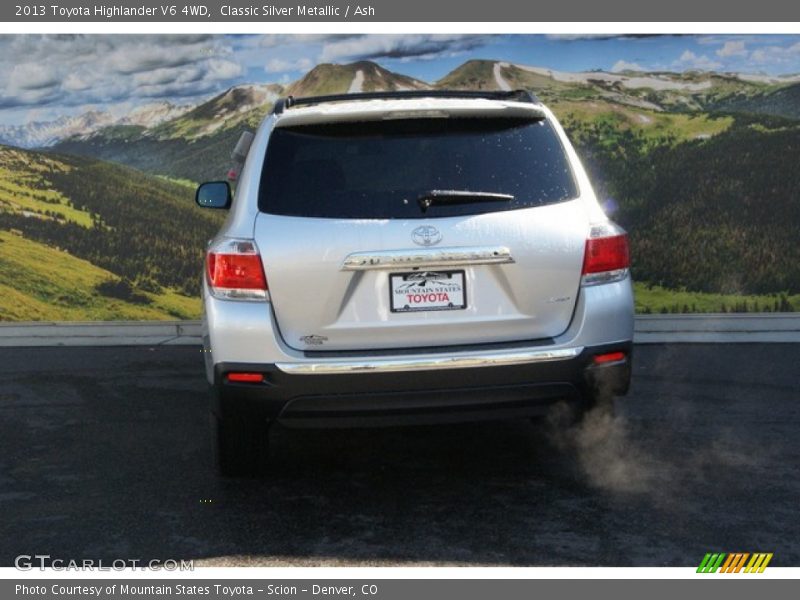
241	445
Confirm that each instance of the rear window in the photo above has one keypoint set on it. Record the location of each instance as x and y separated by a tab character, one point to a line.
379	169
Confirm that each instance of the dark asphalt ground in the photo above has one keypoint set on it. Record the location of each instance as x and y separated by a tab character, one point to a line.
105	454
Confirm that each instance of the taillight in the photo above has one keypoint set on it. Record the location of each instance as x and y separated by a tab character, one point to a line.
234	270
606	257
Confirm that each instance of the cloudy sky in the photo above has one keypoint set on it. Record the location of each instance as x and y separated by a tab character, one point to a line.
44	77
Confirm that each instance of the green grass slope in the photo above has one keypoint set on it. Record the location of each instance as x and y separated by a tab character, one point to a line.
654	299
83	239
41	283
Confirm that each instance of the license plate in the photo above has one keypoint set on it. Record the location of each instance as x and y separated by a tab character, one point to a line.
427	290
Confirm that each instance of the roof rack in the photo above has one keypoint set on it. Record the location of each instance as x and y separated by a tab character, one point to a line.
513	95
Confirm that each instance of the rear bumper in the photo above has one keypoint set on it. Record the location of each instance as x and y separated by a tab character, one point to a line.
361	393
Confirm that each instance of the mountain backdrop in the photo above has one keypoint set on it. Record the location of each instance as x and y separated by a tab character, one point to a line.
97	219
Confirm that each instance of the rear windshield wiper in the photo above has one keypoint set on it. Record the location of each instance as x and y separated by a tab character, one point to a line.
427	199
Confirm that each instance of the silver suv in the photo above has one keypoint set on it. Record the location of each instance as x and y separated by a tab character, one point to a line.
406	257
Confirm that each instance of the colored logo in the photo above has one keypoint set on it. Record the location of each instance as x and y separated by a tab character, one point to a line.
735	562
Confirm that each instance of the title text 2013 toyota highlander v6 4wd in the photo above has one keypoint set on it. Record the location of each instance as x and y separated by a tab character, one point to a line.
404	257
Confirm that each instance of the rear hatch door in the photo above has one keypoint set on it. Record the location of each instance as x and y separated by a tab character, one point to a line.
419	233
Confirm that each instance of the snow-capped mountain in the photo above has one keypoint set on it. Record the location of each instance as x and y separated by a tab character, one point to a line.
153	114
41	134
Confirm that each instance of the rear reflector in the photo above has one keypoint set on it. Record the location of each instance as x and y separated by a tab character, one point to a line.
609	357
235	272
245	377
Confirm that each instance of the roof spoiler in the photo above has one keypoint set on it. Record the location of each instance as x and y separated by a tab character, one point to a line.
511	95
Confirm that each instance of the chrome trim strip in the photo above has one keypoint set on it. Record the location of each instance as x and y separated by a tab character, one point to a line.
428	363
603	277
427	257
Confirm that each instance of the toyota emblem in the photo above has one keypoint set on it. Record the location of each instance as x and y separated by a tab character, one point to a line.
426	235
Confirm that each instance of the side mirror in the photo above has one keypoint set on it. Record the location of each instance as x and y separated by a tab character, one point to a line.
214	194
